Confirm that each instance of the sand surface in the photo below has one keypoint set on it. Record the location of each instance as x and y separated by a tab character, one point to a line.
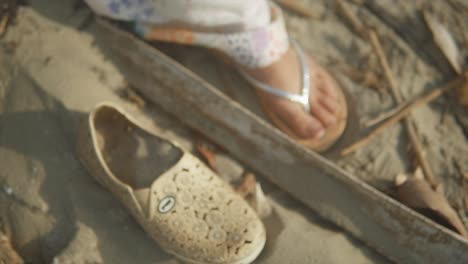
53	70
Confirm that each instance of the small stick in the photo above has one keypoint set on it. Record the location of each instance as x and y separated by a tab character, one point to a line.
368	78
296	7
3	24
404	112
409	105
413	136
376	44
354	21
372	121
356	25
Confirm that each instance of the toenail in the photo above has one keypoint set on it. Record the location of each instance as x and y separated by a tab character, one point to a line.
319	134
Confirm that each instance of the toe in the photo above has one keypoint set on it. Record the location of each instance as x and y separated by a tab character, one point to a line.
303	124
331	104
321	113
312	127
325	84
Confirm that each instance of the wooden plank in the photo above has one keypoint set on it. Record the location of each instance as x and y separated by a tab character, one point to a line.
382	223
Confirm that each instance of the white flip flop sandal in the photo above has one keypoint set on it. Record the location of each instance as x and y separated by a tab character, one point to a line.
332	134
182	205
257	48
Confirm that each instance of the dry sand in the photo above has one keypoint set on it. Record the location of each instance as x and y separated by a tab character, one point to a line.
51	74
53	70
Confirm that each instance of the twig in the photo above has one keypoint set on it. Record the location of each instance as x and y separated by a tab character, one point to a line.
402	113
356	24
414	138
372	121
3	24
376	44
296	7
458	82
367	79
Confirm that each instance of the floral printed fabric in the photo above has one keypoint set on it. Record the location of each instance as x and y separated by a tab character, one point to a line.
251	32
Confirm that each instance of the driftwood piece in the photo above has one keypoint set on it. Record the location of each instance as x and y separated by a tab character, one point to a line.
389	227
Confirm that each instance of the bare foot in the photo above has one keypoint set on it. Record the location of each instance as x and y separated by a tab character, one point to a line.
286	75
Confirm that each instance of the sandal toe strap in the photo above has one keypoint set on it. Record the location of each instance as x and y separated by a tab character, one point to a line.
303	97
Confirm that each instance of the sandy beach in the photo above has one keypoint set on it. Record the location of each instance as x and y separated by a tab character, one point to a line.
54	69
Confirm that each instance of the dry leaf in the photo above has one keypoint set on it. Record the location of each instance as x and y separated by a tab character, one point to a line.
444	41
207	152
247	186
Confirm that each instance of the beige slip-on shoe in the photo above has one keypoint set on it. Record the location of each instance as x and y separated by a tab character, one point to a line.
177	200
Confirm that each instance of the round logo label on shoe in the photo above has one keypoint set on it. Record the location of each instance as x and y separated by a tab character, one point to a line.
166	204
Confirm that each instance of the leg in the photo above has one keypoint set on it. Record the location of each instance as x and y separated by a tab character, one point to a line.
257	42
